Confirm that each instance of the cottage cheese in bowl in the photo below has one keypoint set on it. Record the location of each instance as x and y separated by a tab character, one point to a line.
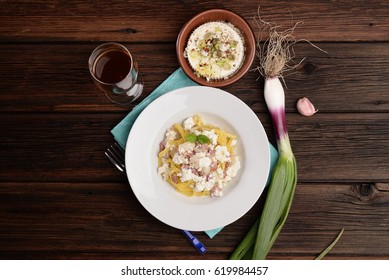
215	50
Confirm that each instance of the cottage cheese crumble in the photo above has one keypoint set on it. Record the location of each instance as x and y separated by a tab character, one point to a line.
215	50
195	167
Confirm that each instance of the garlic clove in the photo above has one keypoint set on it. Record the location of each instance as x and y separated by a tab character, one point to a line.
305	107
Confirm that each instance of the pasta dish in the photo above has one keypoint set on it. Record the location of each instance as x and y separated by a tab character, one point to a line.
198	159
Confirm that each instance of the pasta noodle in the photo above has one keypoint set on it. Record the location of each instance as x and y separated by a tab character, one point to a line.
198	159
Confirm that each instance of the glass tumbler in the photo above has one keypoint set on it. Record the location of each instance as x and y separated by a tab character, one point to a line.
115	72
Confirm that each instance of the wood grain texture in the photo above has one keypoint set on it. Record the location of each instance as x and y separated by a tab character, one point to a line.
100	221
51	78
69	147
60	198
153	22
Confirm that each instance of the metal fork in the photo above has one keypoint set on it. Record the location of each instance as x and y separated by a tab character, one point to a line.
115	153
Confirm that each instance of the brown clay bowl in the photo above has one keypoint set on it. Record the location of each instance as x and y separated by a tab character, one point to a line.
216	15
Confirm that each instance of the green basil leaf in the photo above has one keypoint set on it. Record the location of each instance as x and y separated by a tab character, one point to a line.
191	138
202	139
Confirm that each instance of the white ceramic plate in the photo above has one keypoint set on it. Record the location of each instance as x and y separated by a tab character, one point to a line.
216	107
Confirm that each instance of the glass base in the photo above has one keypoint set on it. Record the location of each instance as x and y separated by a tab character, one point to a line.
129	96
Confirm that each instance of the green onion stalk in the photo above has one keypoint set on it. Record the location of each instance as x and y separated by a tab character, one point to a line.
262	235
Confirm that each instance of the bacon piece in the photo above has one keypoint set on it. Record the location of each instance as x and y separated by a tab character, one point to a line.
213	166
174	178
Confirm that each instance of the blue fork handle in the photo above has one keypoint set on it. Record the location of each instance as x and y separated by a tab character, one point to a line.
195	242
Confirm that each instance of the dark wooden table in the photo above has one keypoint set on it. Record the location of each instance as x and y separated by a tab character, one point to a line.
60	198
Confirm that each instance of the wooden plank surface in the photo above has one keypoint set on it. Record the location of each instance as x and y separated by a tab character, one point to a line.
104	220
70	147
50	78
60	198
153	21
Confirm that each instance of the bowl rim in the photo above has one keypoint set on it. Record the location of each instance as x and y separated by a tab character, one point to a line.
249	55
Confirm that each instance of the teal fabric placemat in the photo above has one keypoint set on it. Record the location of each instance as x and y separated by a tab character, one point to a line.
177	79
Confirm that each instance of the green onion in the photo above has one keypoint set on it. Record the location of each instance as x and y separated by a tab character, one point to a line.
244	251
260	239
329	248
283	183
274	57
277	205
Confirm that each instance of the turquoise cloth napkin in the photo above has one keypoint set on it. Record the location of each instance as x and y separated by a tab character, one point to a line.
176	80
